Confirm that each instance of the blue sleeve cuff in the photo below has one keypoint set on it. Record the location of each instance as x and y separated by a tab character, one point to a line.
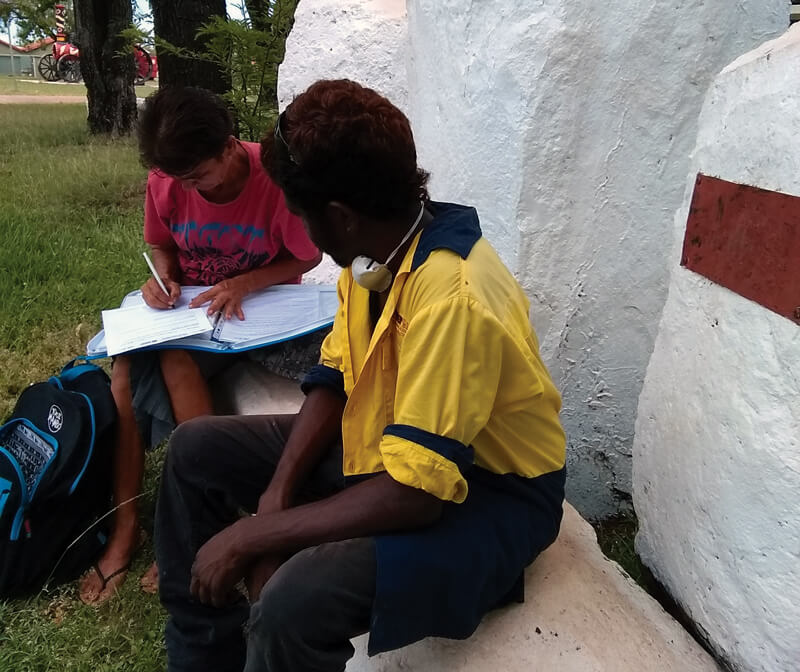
324	376
455	451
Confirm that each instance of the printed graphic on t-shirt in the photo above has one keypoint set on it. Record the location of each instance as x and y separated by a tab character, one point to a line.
213	252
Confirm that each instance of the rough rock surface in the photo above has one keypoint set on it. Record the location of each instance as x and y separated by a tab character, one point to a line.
364	40
568	123
716	460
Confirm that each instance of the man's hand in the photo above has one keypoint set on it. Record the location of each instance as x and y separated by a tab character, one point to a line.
154	296
262	569
217	568
224	297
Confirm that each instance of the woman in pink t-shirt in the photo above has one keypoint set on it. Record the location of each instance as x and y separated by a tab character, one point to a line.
212	217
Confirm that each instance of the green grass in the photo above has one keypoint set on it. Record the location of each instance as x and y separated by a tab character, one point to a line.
70	241
70	235
17	85
616	538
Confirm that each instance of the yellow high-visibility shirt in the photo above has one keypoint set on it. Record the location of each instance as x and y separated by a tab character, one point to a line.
451	367
448	394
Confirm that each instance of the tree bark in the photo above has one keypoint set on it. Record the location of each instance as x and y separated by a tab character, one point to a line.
107	64
177	22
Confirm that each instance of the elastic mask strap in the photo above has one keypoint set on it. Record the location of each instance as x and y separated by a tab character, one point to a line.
410	231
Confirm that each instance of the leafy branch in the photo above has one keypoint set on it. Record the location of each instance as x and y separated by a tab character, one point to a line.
251	55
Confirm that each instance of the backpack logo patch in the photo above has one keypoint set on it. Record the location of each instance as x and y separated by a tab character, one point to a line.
55	419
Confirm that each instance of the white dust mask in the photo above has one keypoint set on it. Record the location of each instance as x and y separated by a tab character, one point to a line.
377	277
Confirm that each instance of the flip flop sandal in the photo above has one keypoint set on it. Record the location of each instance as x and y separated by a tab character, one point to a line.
101	598
105	581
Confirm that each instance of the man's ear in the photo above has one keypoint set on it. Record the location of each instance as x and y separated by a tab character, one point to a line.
342	217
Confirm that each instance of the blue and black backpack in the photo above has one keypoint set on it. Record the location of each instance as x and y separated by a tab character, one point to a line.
55	479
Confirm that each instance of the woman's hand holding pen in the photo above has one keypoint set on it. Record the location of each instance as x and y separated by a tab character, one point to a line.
155	297
224	297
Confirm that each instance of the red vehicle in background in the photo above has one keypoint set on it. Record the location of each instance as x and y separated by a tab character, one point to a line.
64	62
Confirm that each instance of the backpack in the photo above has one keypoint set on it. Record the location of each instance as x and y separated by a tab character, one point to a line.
55	479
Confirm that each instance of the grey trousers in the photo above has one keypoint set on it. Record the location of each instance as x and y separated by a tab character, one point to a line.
217	467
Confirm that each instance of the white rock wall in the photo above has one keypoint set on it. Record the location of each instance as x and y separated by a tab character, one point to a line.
717	449
568	123
362	40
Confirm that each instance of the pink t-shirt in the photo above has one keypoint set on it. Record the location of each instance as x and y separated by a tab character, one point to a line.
218	241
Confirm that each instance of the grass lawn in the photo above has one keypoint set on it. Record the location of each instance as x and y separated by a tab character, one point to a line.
70	245
26	86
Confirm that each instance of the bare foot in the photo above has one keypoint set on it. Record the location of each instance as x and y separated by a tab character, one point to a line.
109	572
149	580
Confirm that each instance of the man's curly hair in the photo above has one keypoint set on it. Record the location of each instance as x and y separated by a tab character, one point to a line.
340	141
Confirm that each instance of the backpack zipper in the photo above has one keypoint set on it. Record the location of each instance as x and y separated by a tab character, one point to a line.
23	489
91	444
27	497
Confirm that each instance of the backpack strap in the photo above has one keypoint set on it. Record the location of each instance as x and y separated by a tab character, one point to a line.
72	370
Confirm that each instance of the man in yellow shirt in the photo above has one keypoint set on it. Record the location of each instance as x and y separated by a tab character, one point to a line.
425	469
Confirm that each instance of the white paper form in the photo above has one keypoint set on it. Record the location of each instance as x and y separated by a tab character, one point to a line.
272	315
269	314
138	326
187	294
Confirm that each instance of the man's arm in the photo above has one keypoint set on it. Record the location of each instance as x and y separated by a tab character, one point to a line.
317	426
226	296
377	505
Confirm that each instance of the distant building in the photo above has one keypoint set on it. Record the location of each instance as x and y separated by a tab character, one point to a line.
25	57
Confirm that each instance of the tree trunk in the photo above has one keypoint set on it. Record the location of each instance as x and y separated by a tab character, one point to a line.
177	22
107	64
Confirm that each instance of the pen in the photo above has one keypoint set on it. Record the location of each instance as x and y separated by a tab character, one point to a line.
155	274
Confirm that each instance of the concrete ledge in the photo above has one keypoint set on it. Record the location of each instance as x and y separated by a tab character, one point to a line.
582	612
247	388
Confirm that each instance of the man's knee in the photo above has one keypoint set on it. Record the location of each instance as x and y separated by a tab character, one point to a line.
189	447
285	606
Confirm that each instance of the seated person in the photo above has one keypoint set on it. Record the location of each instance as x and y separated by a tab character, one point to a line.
425	469
212	217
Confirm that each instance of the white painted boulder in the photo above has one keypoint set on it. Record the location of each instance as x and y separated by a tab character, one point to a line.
569	131
717	448
568	123
362	40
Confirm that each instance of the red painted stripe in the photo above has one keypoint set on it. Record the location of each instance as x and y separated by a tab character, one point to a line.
748	240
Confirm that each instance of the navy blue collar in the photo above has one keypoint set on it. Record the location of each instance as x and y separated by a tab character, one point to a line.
454	227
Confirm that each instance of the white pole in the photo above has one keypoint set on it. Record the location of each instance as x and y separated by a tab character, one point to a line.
10	48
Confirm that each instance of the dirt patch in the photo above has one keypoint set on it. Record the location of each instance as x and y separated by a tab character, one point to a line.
24	99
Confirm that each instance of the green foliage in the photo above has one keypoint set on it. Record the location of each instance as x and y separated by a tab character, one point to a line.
251	55
33	19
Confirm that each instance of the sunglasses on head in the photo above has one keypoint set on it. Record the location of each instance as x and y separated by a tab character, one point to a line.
279	136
